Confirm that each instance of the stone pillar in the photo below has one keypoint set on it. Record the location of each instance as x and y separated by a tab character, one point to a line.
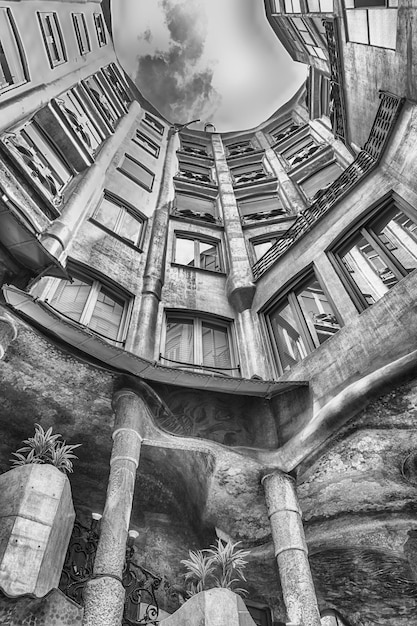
291	550
64	229
153	277
104	593
240	285
8	333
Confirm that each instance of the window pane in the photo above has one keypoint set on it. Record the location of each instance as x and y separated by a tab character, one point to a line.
70	298
137	172
394	232
179	345
11	68
291	347
101	100
215	346
107	314
79	120
209	256
184	251
130	227
367	269
262	247
318	313
321	179
107	214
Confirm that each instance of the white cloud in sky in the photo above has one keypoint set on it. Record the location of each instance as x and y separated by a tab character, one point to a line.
214	59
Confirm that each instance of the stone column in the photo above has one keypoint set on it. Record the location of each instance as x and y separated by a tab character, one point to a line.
153	277
8	332
240	286
291	550
104	593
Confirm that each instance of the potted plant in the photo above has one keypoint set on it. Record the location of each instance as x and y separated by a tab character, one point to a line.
36	515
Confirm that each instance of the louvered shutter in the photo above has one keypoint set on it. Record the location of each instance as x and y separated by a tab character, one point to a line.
107	315
70	298
215	346
179	345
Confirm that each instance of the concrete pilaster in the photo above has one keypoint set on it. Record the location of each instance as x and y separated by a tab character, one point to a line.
63	230
292	198
291	550
240	286
8	332
153	278
104	594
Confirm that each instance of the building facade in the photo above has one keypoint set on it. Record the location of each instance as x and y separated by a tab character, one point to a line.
224	321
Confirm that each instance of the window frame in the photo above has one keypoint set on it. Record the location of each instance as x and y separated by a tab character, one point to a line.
81	272
197	322
197	239
363	227
57	37
15	65
100	28
153	123
126	207
148	141
80	28
260	239
131	176
288	295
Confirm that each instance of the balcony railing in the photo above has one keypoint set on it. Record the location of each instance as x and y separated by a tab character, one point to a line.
240	150
248	178
195	177
204	216
325	199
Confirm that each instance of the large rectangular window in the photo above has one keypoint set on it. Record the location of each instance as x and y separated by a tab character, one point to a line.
12	70
118	217
93	304
100	29
301	322
378	255
101	100
137	172
52	37
146	143
196	252
81	32
192	341
154	124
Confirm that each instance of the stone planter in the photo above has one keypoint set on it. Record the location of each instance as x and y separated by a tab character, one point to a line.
36	520
215	607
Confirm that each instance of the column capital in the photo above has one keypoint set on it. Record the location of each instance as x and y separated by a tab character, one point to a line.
124	392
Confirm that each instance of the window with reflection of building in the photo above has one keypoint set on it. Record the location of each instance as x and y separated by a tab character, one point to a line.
197	252
194	341
117	217
301	322
376	257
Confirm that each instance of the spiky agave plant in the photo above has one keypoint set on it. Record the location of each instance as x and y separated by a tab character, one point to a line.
220	566
44	447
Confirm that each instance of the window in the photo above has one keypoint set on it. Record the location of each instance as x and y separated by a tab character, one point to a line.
320	180
117	85
52	38
154	124
301	322
39	159
194	207
80	119
308	37
320	6
378	255
300	151
91	303
101	100
195	173
193	341
239	148
81	32
373	23
193	148
263	244
284	130
250	173
117	217
100	29
137	172
146	143
201	253
12	69
292	6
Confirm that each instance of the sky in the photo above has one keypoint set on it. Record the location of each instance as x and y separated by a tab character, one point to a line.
217	60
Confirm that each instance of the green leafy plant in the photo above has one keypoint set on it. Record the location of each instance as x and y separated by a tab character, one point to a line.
220	566
44	447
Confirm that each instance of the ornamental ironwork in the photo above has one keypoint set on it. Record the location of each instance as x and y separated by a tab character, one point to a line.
325	199
140	606
337	107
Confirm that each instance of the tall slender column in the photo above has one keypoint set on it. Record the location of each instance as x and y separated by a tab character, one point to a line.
104	593
291	550
8	332
153	278
63	230
240	286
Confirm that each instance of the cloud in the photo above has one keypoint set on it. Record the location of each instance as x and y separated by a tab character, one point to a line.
178	80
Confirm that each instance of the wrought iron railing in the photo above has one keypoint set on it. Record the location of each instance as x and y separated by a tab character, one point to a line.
141	605
367	159
336	96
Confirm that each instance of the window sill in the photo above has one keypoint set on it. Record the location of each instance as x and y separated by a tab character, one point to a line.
115	235
199	269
